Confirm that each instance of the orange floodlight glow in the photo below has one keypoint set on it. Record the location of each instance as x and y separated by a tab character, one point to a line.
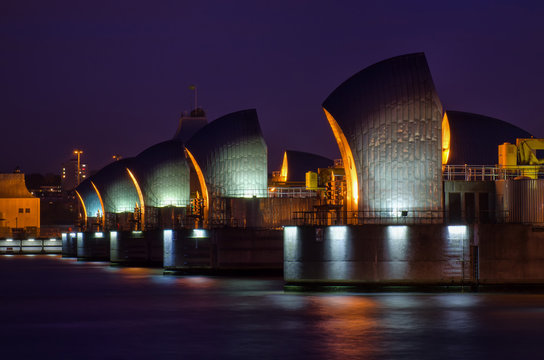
284	168
101	202
446	139
83	205
202	183
349	163
140	195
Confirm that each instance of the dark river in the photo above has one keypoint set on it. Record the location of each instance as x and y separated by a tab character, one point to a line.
53	308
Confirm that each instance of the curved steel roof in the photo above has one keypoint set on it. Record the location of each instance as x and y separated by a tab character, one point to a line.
116	187
475	138
299	163
387	122
163	174
232	154
90	199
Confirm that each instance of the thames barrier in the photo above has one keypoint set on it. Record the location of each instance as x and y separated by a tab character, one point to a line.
422	195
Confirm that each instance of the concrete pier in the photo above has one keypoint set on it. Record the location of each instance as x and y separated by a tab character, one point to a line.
93	246
223	250
420	255
142	248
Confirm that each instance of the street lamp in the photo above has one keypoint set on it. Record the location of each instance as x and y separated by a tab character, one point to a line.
78	153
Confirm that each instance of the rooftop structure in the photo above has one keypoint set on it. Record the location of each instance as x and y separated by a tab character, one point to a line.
232	156
296	164
387	122
473	139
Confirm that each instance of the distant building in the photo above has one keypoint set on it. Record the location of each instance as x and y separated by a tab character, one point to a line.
69	176
19	209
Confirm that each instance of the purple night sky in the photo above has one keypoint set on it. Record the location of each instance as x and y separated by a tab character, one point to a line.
111	77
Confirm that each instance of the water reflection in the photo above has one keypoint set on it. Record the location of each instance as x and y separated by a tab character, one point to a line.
197	282
347	326
64	306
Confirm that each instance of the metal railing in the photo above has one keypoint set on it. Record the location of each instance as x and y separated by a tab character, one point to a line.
387	216
489	172
291	192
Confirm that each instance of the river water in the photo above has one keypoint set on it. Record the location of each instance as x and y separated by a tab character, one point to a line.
54	308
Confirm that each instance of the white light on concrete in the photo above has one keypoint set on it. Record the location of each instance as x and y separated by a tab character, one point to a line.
98	235
457	232
397	251
397	232
199	233
290	230
338	232
337	250
9	240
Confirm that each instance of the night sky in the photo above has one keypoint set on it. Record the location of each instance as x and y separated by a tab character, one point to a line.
112	77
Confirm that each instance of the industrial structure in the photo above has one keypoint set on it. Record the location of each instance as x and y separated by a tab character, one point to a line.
173	184
428	201
419	196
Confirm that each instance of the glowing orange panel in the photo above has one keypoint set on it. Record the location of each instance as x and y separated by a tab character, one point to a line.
202	183
349	164
101	203
140	195
284	168
446	139
83	205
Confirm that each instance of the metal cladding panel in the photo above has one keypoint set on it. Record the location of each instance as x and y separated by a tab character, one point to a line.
522	200
299	163
391	117
475	138
116	187
90	198
163	175
232	154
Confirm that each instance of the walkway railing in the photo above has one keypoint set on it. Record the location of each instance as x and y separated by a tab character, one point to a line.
388	216
488	172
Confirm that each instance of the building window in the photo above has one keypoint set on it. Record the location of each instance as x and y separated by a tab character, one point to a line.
21	210
27	210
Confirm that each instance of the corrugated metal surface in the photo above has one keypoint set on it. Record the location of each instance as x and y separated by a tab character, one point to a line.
163	174
521	201
391	117
116	188
232	154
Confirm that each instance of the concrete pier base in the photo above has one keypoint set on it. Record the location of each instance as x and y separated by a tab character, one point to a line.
93	246
225	250
414	255
136	248
69	244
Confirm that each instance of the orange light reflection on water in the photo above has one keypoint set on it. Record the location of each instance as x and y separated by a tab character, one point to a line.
197	282
347	325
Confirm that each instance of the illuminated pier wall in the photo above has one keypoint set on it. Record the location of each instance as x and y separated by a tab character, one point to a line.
387	122
431	254
378	254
